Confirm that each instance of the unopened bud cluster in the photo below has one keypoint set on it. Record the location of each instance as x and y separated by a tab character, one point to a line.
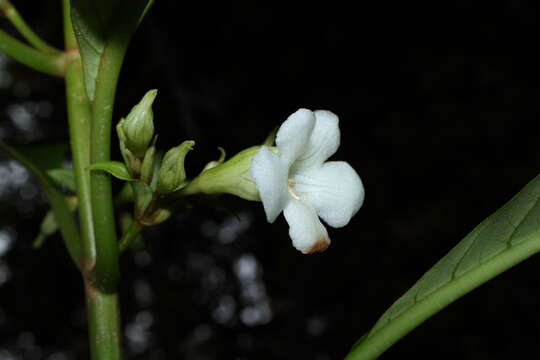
156	177
152	175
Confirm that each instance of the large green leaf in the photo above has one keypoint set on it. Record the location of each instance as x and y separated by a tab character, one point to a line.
504	239
95	23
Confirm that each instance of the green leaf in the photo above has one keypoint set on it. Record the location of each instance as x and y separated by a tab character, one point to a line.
64	177
49	225
95	23
115	168
47	228
509	236
46	156
91	22
64	218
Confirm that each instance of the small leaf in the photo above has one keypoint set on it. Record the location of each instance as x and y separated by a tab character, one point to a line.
49	225
47	228
115	168
509	236
64	177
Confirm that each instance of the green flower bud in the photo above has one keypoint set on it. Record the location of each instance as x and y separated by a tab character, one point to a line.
172	174
147	167
138	126
232	177
133	163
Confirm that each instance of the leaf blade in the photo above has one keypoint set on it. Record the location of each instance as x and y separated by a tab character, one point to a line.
62	213
507	237
91	21
95	23
115	168
63	177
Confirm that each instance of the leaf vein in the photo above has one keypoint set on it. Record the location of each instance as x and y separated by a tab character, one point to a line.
511	237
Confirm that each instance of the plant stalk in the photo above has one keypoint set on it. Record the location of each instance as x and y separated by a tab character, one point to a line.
11	13
48	63
103	323
80	122
106	272
102	306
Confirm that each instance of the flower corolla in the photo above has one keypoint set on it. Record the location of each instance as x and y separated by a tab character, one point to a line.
296	178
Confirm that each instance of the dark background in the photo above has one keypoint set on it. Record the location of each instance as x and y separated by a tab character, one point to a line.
438	109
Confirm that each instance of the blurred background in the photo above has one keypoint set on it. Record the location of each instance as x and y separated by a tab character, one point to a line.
438	108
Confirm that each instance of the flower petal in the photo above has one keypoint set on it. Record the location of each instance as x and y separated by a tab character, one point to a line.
334	189
294	134
323	142
270	176
307	233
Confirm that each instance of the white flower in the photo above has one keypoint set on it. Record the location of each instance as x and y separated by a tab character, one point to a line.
300	182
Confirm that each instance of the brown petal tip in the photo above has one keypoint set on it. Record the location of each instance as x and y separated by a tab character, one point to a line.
319	246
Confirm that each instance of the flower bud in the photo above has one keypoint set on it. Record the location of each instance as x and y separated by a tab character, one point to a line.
133	164
147	167
232	177
172	174
138	126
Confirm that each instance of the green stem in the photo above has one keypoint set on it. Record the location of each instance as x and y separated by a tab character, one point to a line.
11	13
48	63
131	234
105	272
103	323
80	122
70	41
80	117
102	307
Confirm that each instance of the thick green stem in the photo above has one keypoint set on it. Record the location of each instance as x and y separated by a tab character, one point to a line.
106	270
80	124
105	273
48	63
11	13
80	118
103	323
102	306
